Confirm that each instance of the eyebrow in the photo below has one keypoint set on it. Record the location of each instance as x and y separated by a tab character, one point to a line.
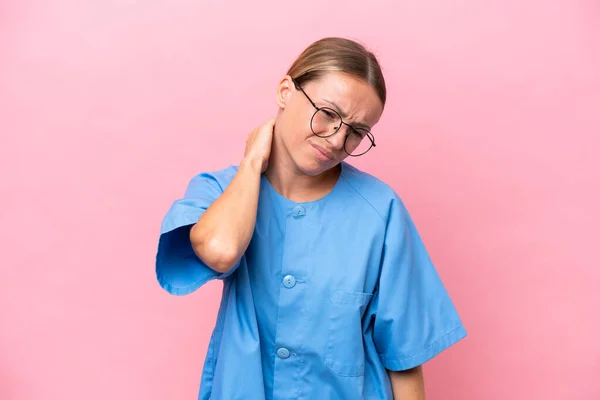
344	115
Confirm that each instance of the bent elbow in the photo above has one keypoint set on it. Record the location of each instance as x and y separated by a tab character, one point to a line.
222	262
217	255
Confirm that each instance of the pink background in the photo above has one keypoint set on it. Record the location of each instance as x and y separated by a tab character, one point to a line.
108	108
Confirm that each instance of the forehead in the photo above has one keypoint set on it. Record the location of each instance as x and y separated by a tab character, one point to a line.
356	98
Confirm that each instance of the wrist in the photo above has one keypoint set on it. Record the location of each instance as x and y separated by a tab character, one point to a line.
252	164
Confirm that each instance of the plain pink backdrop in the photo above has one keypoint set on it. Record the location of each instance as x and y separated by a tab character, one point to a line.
108	108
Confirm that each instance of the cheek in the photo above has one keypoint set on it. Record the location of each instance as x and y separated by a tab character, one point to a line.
300	122
297	141
296	134
295	131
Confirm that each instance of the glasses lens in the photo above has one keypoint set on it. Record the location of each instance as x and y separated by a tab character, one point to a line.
325	122
358	142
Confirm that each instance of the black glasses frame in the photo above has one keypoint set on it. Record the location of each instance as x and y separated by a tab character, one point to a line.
368	135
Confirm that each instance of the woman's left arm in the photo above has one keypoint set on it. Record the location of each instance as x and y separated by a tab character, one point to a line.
409	384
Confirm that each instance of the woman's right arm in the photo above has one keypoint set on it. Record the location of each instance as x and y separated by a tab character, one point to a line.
223	232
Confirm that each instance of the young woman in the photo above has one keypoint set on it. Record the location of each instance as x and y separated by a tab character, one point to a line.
329	292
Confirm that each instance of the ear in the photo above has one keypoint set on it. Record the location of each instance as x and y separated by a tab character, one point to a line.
285	88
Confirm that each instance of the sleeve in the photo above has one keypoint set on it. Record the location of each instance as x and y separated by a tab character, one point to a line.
415	318
178	269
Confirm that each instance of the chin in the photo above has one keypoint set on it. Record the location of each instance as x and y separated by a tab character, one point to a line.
313	167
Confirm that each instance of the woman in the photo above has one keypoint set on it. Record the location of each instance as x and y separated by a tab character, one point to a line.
328	290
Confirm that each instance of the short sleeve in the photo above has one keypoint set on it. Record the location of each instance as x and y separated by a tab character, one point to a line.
178	269
415	318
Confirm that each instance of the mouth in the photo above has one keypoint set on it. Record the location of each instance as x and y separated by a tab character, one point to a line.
324	153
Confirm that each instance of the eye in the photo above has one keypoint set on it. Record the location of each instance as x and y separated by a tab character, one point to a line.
329	114
359	133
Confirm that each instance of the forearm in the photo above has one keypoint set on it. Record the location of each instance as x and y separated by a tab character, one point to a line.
408	385
223	232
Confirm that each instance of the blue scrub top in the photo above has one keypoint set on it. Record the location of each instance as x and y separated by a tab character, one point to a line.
328	295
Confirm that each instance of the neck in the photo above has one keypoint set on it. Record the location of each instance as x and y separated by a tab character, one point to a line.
287	179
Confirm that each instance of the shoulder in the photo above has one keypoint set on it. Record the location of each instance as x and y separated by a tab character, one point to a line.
217	179
221	176
373	191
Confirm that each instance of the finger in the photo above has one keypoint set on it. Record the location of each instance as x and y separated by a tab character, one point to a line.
270	122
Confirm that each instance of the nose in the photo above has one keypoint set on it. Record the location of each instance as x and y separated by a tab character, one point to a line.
337	140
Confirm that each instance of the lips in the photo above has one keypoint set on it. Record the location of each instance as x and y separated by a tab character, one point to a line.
321	150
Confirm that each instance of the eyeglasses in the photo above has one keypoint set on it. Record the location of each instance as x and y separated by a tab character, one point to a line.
326	122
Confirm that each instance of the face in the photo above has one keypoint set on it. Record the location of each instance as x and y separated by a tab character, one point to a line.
354	99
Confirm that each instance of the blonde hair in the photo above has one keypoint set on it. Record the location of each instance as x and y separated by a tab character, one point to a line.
339	54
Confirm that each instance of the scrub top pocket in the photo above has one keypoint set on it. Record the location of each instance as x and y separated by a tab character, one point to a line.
345	353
